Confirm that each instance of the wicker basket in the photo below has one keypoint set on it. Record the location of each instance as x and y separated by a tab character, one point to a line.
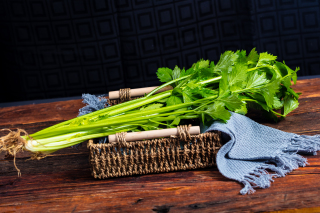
153	156
174	153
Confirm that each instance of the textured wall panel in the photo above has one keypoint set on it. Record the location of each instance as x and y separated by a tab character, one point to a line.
60	48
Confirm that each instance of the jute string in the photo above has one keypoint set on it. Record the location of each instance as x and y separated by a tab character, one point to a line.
121	137
183	132
124	94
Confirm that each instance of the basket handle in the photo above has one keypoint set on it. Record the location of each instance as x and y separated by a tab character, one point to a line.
127	93
182	132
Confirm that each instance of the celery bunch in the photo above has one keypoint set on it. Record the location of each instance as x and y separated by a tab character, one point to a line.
206	91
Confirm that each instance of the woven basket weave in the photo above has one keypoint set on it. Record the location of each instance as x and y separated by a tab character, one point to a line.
153	156
174	153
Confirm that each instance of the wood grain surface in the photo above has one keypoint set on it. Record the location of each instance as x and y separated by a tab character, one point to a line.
62	181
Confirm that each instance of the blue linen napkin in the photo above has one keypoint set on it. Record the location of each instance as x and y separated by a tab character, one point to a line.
252	149
94	103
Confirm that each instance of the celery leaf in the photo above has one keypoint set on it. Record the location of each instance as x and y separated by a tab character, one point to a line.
252	58
164	74
173	100
290	104
266	59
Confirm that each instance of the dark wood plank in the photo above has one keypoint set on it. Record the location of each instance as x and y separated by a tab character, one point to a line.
62	181
310	88
303	120
56	111
200	191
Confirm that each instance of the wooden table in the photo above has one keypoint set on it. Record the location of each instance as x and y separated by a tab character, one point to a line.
62	181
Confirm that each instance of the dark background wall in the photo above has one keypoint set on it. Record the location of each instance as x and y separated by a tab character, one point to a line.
62	48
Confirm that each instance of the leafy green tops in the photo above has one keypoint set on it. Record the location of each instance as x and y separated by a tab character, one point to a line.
237	79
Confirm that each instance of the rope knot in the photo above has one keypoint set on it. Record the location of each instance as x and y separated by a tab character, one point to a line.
183	132
124	94
121	138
